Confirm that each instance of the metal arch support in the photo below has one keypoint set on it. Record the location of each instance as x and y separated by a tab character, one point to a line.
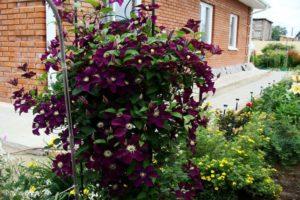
66	93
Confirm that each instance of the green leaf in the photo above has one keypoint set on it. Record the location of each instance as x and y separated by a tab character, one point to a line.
106	10
81	150
111	110
94	3
187	119
177	114
76	91
100	141
132	52
138	124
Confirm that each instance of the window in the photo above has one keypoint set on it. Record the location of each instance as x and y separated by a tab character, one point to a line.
127	5
233	28
206	17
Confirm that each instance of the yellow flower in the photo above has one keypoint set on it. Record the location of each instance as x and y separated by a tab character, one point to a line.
86	191
233	183
32	164
213	176
216	188
208	178
51	142
212	171
295	88
224	174
250	140
32	189
72	192
249	180
203	178
154	161
221	165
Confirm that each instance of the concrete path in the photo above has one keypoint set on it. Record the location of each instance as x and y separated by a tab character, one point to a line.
240	85
15	130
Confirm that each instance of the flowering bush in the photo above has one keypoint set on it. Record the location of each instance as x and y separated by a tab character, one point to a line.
283	124
236	169
132	103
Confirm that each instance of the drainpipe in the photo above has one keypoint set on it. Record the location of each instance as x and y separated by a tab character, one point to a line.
250	32
50	35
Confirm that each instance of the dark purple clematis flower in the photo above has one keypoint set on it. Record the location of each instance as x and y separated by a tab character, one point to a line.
58	2
118	27
192	24
143	176
23	67
157	115
103	156
153	50
185	192
112	79
148	7
121	125
61	166
18	93
13	82
29	74
101	58
90	76
131	150
50	115
120	2
139	62
23	102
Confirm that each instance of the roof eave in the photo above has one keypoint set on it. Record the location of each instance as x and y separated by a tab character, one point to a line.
256	4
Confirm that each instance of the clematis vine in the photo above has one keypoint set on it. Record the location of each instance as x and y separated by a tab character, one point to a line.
131	100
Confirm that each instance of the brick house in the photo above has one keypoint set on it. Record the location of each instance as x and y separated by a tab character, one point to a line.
25	31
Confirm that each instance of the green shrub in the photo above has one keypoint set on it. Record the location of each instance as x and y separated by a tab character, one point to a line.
236	169
36	181
275	55
231	123
283	123
276	47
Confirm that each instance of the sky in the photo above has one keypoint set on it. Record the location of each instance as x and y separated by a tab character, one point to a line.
284	13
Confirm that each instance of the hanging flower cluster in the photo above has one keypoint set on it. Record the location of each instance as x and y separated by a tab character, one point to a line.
132	102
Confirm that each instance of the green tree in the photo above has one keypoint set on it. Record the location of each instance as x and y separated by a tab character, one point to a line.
277	31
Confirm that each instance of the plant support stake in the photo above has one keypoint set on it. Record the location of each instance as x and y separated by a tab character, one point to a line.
66	93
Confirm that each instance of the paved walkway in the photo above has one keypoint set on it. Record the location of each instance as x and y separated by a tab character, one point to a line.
15	130
240	85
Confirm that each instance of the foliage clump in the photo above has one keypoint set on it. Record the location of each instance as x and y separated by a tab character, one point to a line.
132	104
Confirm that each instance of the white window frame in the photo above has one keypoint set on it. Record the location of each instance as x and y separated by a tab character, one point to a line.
116	5
233	46
50	35
204	6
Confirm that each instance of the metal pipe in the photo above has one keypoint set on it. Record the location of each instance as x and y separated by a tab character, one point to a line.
66	93
153	23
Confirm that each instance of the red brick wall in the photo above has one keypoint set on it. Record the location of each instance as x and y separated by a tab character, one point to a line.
175	13
22	39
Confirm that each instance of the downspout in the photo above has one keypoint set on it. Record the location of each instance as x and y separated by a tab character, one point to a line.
50	35
250	32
